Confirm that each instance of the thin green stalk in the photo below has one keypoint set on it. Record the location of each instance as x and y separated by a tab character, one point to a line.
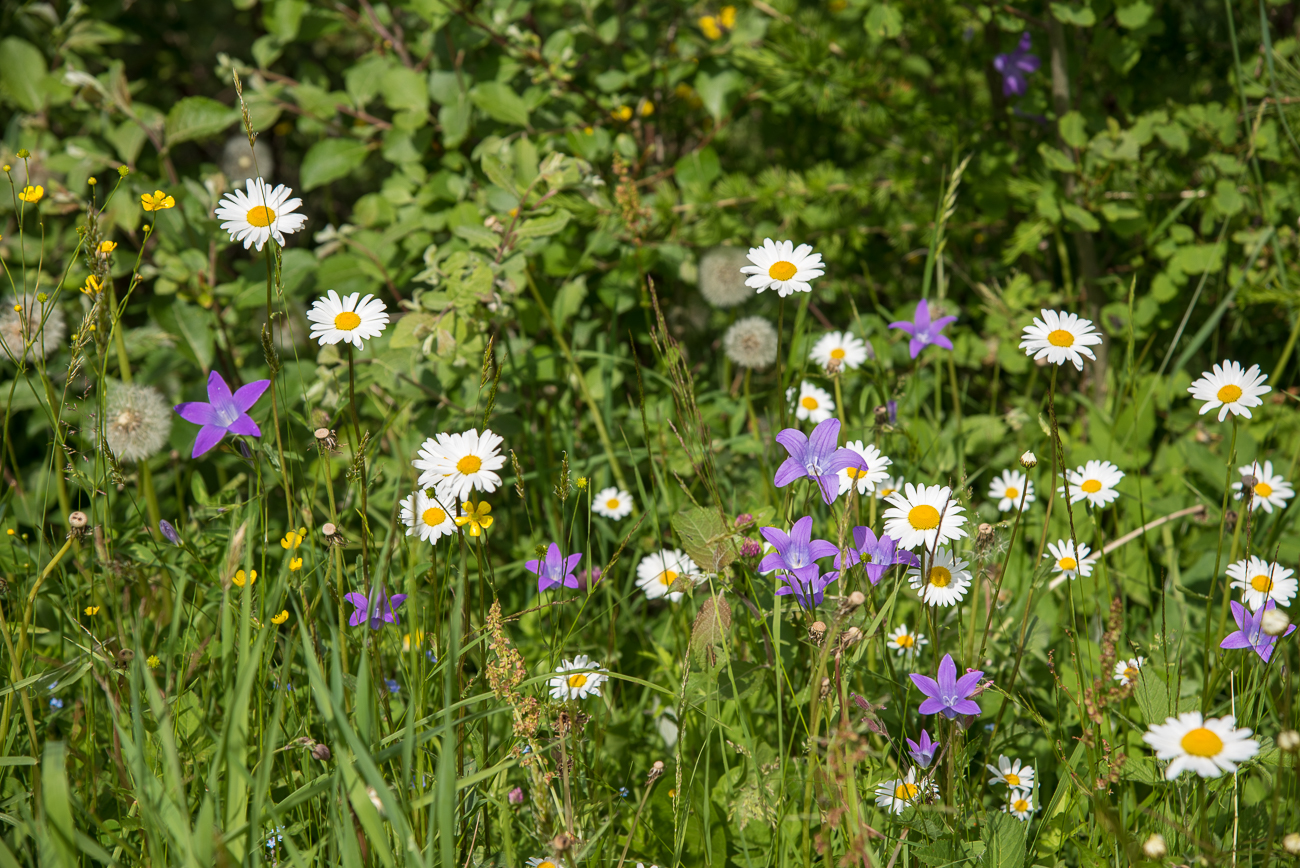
1208	655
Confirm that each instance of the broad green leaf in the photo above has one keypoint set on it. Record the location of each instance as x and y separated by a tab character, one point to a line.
713	90
710	542
500	103
331	159
363	80
1227	198
1114	212
469	279
568	301
411	330
1198	259
1056	159
1074	131
697	170
22	70
883	21
1004	840
1134	15
1081	218
540	227
197	117
1074	13
404	88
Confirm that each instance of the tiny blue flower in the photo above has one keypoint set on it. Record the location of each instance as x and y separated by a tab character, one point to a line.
623	792
56	704
392	685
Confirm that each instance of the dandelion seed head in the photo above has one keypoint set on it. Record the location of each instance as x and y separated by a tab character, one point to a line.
137	421
751	342
21	321
721	282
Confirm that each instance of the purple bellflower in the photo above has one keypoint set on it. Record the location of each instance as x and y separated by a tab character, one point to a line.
797	549
818	457
556	569
949	695
383	609
1250	632
1016	66
222	412
923	330
877	554
169	531
922	751
807	584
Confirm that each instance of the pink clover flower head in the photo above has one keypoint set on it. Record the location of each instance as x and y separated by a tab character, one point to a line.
948	695
923	330
223	412
516	796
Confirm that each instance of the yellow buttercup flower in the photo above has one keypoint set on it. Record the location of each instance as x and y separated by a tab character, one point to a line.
156	201
647	108
93	285
727	17
153	662
406	640
240	578
475	517
709	27
622	113
295	564
32	195
280	618
91	610
292	540
106	247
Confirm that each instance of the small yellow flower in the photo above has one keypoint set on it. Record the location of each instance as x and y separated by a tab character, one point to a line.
106	247
280	618
647	108
157	201
240	578
622	113
589	131
292	540
6	167
406	640
93	286
709	27
91	610
295	564
476	517
153	662
11	531
32	195
92	181
727	17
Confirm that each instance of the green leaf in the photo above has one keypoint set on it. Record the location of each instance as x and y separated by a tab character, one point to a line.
1004	841
22	69
706	538
1081	218
1074	13
1198	259
469	279
883	22
696	171
411	330
1135	15
331	159
197	117
568	301
1074	131
713	90
500	103
59	830
404	88
541	227
1227	198
1056	159
1114	212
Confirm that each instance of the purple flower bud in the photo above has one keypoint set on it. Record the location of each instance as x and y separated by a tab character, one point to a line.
516	796
169	531
743	519
751	548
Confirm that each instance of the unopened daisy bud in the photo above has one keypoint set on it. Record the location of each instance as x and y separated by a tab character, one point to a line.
655	770
1155	847
1028	460
1291	844
817	632
1274	622
1288	740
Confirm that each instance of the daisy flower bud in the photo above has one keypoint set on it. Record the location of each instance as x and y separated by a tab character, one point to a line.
1028	460
1155	847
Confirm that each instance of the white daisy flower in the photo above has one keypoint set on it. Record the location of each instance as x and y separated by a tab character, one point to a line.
1012	490
1270	490
843	347
782	266
922	514
456	464
1231	388
335	320
1060	337
1013	774
571	684
946	580
1261	581
658	571
612	502
1020	804
1094	482
1208	747
259	212
1126	671
906	643
888	487
1069	563
814	404
539	862
426	518
895	796
875	473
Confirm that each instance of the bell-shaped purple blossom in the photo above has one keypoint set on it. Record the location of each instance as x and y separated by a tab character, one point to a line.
1250	631
222	412
1016	66
380	610
923	330
818	457
807	584
555	569
949	695
169	531
877	555
923	751
795	550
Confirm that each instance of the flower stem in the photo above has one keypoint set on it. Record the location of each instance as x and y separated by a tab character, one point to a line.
1218	556
358	455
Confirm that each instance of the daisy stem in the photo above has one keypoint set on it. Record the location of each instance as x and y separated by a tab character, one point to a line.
997	591
273	364
839	405
358	454
1218	558
780	386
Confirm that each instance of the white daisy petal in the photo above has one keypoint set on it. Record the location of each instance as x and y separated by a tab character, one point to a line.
1260	581
456	464
778	265
1270	490
1060	337
1209	747
1126	671
1231	388
336	319
814	404
1069	563
658	571
945	582
612	503
895	796
258	212
842	348
905	643
1013	490
427	517
875	473
922	514
570	683
1094	482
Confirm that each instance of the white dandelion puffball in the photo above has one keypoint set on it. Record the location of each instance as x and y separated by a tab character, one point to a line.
1012	490
1060	337
346	320
41	324
659	571
613	502
1127	671
721	282
137	421
1231	388
569	683
922	514
874	474
813	405
1094	482
1208	747
781	266
456	464
1270	490
945	581
258	213
239	163
427	518
842	348
1260	581
750	343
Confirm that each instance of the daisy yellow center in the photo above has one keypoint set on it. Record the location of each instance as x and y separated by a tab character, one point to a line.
433	516
346	321
576	681
1263	489
1092	486
885	492
1229	393
667	577
612	503
1131	674
1262	583
782	270
837	353
940	577
854	472
808	402
923	517
906	792
1013	779
1020	805
1068	563
905	641
1061	338
1012	493
547	864
469	464
1202	742
261	216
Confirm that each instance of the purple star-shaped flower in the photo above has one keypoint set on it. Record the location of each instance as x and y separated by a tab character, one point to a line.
922	751
818	457
223	412
1250	632
807	584
950	695
796	550
877	554
556	569
1015	67
382	611
923	330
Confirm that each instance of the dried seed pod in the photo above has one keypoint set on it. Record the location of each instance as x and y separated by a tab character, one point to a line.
326	440
817	632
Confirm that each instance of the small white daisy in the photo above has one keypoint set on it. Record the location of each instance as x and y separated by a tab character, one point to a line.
889	486
1261	581
259	212
612	503
426	518
923	513
571	684
1020	804
1013	490
1126	671
1013	774
906	643
1208	747
456	464
1060	337
844	348
867	479
335	320
1231	388
896	795
1094	482
946	580
658	571
1069	563
782	266
1270	490
539	862
814	404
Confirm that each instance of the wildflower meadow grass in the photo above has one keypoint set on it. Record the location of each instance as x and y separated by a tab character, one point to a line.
546	433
